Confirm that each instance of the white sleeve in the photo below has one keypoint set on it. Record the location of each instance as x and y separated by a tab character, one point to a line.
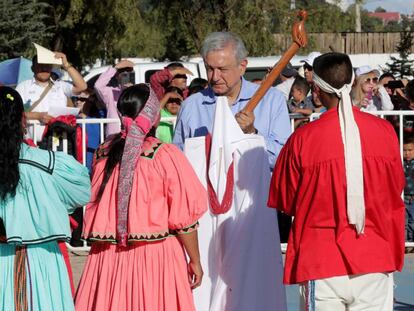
386	103
370	107
67	88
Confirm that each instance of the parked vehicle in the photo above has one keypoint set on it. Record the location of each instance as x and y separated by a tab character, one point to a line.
143	71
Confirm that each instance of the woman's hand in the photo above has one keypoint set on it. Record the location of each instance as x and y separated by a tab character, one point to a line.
365	102
195	274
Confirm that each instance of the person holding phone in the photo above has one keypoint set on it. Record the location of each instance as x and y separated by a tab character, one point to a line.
367	94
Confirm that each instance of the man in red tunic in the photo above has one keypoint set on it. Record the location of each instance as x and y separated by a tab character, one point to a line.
341	177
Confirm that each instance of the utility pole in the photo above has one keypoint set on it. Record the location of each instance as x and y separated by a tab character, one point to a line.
358	15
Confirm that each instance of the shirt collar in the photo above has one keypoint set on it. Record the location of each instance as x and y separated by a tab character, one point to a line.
246	92
37	83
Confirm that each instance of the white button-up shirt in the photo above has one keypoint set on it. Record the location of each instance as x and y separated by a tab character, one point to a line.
30	91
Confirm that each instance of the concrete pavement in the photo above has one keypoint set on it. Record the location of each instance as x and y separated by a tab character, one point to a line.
404	291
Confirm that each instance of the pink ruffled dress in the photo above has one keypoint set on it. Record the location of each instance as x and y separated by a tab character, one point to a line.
167	199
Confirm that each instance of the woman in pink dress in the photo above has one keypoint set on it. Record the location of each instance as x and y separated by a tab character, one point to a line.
142	219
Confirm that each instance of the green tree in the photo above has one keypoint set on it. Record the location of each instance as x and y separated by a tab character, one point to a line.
21	23
380	10
87	30
402	66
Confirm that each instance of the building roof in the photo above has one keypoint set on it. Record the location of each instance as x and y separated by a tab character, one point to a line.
386	17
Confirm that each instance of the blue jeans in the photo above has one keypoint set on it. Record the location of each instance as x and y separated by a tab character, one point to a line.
409	220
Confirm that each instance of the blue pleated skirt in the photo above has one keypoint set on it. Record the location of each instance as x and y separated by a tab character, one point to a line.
48	286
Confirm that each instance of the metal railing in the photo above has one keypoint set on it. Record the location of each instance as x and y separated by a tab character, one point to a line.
293	117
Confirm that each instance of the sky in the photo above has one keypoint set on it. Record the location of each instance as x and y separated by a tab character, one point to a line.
402	6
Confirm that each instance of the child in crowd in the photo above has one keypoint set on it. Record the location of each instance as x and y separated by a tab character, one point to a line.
299	102
408	154
197	85
317	104
170	106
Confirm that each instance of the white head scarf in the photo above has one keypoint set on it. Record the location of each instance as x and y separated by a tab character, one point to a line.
353	154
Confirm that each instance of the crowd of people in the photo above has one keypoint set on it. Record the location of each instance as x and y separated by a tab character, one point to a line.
178	218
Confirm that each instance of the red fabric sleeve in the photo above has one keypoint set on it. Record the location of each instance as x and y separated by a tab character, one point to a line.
285	180
158	80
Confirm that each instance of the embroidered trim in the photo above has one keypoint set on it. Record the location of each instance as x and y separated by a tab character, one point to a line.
48	169
150	153
186	230
137	237
19	240
103	150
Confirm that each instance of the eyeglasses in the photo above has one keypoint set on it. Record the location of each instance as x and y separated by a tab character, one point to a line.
308	67
371	80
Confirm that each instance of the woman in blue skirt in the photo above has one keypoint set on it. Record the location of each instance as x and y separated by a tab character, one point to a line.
38	191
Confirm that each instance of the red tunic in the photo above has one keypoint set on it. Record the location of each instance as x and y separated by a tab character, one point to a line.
309	183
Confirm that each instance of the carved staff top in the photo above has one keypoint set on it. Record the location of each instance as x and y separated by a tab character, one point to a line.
300	39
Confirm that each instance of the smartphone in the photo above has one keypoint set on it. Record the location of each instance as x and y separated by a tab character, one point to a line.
396	84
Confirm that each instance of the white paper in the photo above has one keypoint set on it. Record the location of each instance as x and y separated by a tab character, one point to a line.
63	111
45	56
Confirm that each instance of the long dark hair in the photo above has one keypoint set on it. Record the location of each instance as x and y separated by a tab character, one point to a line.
11	138
130	103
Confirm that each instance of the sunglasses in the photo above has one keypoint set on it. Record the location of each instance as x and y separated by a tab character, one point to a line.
308	67
371	80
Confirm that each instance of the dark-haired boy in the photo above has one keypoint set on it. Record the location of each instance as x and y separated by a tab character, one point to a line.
341	177
299	102
408	155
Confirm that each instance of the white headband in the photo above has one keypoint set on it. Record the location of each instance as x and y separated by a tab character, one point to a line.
353	154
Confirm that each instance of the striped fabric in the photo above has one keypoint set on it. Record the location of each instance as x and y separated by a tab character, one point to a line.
20	279
310	296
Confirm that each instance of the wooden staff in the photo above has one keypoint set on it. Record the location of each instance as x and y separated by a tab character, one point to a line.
299	40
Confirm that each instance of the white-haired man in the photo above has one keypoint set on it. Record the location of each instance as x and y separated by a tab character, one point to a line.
240	246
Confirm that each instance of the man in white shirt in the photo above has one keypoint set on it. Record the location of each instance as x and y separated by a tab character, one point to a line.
60	91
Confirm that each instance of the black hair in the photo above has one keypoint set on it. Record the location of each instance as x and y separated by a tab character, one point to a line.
409	91
11	138
408	140
174	89
197	85
301	84
175	65
334	68
386	75
130	103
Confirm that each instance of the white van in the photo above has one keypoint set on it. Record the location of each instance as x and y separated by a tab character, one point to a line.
256	68
143	71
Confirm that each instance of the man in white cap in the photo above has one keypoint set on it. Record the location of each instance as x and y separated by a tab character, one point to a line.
308	65
341	177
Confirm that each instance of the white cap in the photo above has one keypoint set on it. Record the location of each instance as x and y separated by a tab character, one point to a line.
311	57
366	69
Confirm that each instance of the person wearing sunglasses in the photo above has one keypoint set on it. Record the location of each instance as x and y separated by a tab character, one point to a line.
367	94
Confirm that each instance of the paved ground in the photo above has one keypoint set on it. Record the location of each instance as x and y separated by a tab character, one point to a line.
404	291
